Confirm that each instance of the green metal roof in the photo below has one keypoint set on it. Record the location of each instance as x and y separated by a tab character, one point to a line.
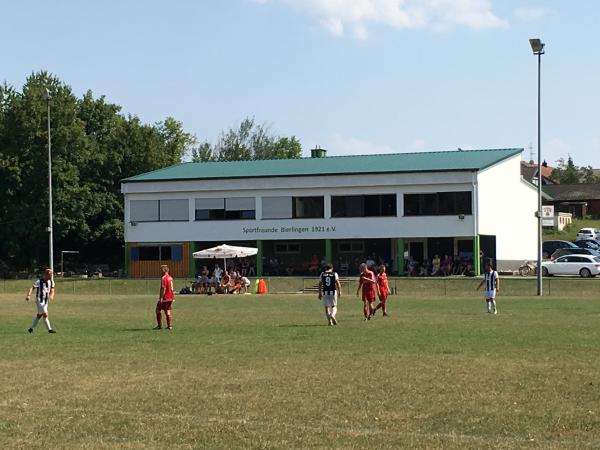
457	160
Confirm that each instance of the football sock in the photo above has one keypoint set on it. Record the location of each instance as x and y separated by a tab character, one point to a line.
159	318
47	324
366	310
169	319
35	322
333	311
487	305
494	305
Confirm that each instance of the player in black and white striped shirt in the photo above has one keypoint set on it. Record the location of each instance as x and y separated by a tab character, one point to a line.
329	291
44	293
492	287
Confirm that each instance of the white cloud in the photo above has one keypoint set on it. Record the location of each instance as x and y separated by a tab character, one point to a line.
530	14
339	16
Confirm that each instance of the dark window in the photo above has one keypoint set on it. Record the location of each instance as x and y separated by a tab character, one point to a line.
437	204
238	215
210	214
308	207
363	205
149	253
165	253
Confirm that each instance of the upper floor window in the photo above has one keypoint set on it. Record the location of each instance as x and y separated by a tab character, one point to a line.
159	210
380	205
293	207
438	204
235	208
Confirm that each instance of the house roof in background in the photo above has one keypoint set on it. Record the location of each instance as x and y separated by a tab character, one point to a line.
572	192
457	160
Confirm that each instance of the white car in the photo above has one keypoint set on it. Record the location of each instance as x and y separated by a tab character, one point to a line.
583	265
589	233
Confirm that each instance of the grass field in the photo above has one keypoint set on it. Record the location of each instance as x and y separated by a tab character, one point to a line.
266	372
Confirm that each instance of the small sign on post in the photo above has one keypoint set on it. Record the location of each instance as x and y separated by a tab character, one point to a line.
548	215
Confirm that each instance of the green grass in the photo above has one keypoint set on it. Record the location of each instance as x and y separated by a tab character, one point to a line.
265	372
570	231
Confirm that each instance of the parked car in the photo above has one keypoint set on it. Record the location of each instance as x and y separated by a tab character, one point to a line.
589	233
574	251
594	245
549	247
583	265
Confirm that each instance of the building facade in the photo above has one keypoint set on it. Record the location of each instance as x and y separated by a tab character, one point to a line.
343	210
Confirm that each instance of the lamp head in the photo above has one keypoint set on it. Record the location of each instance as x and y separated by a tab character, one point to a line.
45	93
537	46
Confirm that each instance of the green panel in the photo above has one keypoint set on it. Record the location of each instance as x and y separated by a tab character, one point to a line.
259	259
126	264
328	251
476	258
468	160
400	256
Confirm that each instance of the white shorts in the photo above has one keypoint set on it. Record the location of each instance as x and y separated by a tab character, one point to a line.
329	300
42	308
490	294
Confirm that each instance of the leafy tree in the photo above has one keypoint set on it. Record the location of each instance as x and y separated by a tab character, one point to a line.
569	173
250	141
94	147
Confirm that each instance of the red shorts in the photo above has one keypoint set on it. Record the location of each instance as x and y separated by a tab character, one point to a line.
368	297
164	306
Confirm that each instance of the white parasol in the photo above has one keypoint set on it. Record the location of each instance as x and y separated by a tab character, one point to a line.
225	251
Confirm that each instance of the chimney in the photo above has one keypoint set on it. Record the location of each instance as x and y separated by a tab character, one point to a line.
318	152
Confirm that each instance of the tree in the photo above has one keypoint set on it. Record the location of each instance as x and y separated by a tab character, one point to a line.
94	147
250	141
569	173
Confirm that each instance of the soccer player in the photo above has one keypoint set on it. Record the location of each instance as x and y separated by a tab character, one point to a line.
329	292
368	283
166	297
492	287
44	293
384	290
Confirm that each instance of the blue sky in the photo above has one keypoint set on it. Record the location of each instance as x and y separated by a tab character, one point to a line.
352	76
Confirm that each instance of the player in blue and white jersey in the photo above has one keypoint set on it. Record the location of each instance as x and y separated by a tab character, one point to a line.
492	287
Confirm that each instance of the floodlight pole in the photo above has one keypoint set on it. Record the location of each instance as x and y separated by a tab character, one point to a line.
538	49
46	95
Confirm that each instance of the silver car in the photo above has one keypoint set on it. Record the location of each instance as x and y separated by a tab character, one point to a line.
583	265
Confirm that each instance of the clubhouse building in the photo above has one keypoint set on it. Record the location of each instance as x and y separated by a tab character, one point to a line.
341	209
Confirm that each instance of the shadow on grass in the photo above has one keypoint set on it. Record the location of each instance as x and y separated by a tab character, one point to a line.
301	325
138	329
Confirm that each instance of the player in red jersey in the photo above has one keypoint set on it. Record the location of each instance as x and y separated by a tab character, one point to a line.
166	297
368	283
384	290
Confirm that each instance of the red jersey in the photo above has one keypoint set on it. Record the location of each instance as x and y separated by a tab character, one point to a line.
382	282
368	288
166	284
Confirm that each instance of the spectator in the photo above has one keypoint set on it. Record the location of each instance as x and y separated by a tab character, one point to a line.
313	268
435	265
446	266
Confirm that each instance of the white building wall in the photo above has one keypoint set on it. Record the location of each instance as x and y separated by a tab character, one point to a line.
327	228
506	208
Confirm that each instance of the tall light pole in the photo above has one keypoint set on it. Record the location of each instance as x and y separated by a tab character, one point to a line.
537	46
46	95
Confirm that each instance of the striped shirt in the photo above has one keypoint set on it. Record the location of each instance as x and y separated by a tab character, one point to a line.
490	280
43	289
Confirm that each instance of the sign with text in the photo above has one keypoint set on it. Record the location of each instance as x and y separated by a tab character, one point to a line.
548	215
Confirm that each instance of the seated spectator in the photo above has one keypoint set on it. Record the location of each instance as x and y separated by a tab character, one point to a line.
446	266
411	267
235	284
217	273
245	282
435	265
425	269
225	283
